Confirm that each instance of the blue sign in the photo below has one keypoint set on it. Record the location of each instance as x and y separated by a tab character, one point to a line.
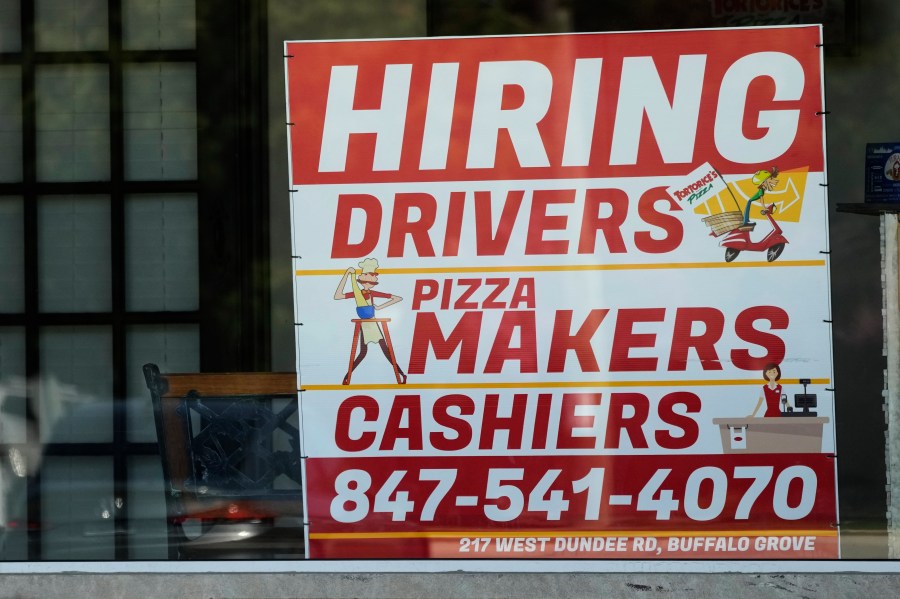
883	172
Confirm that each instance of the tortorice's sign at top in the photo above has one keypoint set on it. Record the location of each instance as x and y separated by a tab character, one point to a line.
564	296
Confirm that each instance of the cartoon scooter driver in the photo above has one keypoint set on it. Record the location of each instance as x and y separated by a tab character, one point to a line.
363	290
764	181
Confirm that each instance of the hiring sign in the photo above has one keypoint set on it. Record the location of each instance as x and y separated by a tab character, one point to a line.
563	296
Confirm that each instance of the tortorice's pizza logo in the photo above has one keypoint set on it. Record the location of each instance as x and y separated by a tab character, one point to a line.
732	210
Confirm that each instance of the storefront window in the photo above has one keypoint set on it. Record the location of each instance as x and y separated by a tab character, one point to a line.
10	35
77	25
101	269
74	254
11	129
174	348
12	266
163	25
145	218
72	123
160	122
161	253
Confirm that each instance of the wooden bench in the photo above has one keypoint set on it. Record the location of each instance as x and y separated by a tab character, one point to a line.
231	462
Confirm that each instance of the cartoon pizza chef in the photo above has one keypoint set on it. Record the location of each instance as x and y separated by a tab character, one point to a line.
363	291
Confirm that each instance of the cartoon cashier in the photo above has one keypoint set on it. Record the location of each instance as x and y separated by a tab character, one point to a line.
363	291
771	391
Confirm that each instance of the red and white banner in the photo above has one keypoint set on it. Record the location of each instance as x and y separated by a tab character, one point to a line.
564	296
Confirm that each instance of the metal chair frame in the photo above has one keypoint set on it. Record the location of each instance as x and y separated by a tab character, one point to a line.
217	436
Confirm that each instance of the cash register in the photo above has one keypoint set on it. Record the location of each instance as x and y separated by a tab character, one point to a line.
801	400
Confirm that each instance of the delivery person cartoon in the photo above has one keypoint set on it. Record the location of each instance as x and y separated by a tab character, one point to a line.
363	291
764	181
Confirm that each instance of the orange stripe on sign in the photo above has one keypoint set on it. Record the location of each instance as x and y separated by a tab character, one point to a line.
568	268
559	384
575	533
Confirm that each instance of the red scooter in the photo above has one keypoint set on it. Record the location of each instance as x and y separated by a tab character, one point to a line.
739	240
